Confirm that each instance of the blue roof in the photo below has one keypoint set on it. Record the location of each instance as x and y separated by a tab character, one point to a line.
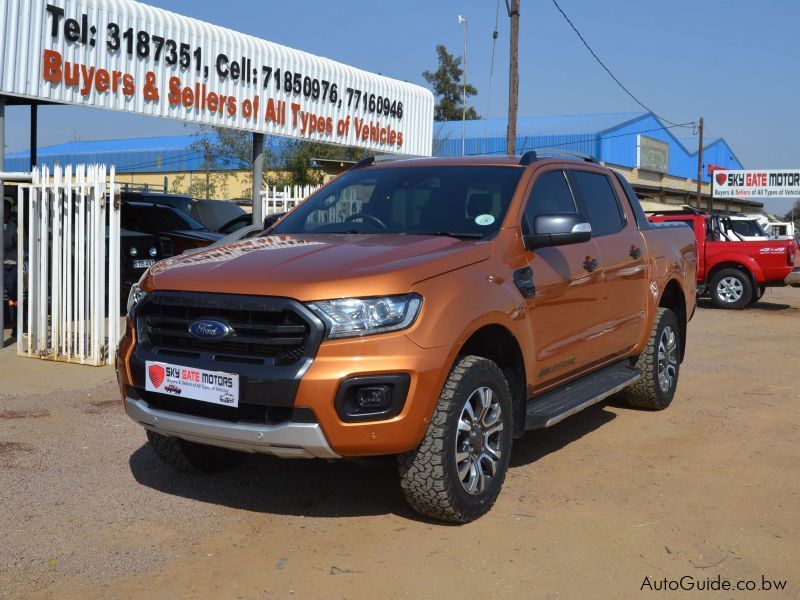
142	155
608	137
553	125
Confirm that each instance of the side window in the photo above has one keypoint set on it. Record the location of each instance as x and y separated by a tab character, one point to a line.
597	201
550	193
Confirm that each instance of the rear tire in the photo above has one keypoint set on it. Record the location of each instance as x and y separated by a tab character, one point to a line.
659	365
731	288
457	471
190	457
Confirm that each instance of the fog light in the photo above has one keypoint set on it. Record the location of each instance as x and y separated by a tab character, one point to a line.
371	398
133	251
374	398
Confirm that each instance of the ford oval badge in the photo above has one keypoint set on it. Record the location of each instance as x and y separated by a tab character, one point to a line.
210	330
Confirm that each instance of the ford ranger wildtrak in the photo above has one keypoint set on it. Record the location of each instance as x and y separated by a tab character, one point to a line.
432	309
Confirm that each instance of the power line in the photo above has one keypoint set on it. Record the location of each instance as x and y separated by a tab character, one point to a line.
614	77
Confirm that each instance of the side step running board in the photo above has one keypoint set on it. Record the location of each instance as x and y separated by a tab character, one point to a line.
552	407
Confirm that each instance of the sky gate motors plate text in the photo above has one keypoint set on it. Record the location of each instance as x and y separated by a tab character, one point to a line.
123	55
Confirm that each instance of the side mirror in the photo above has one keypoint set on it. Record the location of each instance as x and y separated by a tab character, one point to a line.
270	220
558	229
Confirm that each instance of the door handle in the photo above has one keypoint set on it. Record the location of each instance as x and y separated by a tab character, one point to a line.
590	264
635	252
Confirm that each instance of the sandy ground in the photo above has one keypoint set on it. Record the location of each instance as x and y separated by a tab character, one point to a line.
709	488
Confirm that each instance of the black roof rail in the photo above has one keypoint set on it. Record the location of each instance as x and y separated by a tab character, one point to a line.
576	155
364	162
683	210
532	155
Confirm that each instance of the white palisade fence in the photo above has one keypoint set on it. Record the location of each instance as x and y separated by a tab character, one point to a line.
282	199
69	236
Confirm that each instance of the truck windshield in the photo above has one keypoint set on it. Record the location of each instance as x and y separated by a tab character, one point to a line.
459	201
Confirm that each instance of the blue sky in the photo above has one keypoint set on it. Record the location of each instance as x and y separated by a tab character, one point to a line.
732	61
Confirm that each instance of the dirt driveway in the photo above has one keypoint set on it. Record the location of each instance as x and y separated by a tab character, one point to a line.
592	507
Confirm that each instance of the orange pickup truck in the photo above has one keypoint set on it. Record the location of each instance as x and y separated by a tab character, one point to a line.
433	309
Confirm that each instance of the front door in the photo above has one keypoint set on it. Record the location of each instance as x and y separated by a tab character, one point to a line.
622	253
566	307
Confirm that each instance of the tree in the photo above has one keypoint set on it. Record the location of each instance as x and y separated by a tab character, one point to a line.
447	86
298	156
288	163
794	212
222	149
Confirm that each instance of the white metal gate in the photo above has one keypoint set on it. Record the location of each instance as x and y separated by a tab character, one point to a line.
282	199
69	240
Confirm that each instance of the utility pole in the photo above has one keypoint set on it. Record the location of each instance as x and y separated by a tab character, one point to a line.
463	21
512	6
700	170
258	175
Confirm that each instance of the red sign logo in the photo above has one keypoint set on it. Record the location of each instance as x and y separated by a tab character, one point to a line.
721	178
156	374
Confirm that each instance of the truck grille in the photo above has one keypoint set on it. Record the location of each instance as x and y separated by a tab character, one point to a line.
263	329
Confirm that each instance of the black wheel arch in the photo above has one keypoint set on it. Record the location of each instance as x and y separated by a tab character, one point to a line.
498	344
674	299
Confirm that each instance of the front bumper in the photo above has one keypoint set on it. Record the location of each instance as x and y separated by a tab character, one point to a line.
335	362
793	278
287	440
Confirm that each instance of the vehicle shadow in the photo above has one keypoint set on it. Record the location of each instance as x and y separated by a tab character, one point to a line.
760	305
338	488
538	444
266	484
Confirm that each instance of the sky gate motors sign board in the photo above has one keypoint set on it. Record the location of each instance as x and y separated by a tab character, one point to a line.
756	184
124	55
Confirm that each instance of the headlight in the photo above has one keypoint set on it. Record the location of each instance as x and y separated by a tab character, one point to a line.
135	296
352	317
133	251
153	251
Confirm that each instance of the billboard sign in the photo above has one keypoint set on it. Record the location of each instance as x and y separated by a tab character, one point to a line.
651	154
127	56
756	183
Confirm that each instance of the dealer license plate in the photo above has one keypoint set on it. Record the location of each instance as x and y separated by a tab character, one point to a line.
214	387
143	264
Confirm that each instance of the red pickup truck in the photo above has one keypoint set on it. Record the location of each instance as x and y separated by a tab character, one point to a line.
734	273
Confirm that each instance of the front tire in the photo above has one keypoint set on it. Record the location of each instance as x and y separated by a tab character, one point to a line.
457	471
731	288
659	365
190	457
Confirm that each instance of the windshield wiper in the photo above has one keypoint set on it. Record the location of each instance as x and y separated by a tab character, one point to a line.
475	236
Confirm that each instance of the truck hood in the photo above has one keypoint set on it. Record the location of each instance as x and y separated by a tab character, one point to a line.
315	267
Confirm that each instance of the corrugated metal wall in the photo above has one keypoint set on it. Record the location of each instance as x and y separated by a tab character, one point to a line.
25	37
585	143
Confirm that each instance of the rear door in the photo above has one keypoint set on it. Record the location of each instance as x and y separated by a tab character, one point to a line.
566	307
622	254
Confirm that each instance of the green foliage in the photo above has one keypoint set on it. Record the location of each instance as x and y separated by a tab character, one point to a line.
298	169
793	213
447	85
228	148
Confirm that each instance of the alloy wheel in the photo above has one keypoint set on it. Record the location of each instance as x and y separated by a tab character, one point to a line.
730	289
478	451
667	359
